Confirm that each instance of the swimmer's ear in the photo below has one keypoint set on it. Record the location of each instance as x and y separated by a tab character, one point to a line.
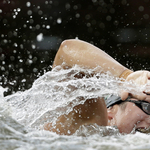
111	112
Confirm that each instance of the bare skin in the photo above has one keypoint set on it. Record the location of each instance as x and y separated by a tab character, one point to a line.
76	52
92	111
128	118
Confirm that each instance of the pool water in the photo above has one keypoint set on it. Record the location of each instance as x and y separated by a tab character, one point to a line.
23	114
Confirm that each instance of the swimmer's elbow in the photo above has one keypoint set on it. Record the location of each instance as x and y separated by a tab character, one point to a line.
61	53
63	45
65	51
69	42
65	48
70	45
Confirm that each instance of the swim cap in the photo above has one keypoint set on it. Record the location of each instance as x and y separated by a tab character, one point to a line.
112	100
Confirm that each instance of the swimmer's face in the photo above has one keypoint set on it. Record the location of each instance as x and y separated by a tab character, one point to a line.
128	118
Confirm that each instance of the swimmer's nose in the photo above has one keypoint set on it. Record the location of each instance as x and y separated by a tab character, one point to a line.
144	123
148	120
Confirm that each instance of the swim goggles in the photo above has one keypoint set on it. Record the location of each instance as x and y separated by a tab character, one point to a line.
143	105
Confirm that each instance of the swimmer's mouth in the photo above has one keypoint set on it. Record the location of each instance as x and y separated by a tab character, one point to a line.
143	130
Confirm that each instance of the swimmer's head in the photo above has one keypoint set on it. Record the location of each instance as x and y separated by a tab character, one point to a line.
132	116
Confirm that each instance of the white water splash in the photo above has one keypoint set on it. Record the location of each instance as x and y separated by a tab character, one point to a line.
49	98
57	92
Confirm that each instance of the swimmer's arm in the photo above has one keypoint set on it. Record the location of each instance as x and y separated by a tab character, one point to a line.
91	112
72	52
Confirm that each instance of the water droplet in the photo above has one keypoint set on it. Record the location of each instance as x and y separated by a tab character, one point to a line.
146	16
5	41
30	61
124	2
20	60
112	10
46	2
69	132
14	51
24	25
48	27
37	26
77	15
33	46
67	6
87	17
75	7
15	44
39	37
40	12
16	13
141	8
35	69
2	68
28	4
12	58
102	41
23	80
21	70
88	24
59	21
108	18
3	62
18	9
29	12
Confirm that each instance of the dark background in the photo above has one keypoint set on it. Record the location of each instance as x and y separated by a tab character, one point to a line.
119	27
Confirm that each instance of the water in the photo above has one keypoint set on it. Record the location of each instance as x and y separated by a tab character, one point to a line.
23	114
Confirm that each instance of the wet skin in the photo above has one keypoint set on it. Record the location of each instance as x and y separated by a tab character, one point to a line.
77	52
129	118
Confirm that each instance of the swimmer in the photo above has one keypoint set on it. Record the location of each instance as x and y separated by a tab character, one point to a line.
126	112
